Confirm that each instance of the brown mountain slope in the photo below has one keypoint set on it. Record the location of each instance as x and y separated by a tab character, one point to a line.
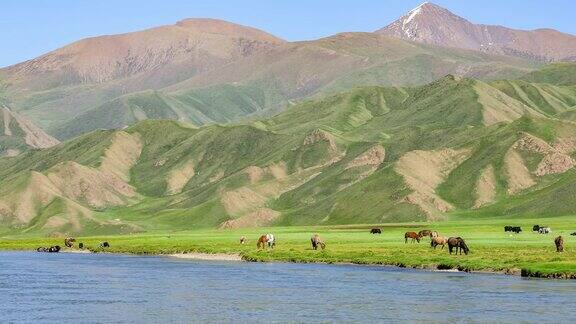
196	44
432	24
348	60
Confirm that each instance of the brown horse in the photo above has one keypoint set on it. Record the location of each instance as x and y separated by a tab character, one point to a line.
412	235
267	240
459	244
559	241
438	240
423	233
69	242
317	241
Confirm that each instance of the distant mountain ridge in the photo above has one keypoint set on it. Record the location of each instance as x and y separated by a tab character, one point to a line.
204	71
432	24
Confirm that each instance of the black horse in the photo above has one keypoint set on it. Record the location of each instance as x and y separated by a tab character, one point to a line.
375	231
459	244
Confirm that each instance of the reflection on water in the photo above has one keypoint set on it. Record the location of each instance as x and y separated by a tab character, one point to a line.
44	287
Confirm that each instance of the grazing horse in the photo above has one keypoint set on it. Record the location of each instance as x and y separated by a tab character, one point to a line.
317	241
559	241
69	242
412	235
243	240
104	244
438	240
423	233
375	231
266	240
459	244
434	234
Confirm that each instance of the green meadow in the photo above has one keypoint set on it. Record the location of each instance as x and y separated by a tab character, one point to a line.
491	249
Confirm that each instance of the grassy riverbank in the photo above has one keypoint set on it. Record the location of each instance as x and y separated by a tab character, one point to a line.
491	249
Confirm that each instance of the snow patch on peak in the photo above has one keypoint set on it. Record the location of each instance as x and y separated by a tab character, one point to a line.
412	13
409	16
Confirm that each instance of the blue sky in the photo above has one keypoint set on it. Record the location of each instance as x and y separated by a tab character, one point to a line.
29	28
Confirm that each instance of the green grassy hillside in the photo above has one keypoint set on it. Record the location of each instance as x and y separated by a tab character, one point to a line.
558	74
455	147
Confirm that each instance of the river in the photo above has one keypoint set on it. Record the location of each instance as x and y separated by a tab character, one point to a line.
86	288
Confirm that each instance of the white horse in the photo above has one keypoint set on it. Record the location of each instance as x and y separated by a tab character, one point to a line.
271	240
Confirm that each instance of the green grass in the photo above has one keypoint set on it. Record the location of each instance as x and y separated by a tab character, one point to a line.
558	73
491	248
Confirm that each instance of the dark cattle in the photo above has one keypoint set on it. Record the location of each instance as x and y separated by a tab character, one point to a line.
559	241
411	235
544	230
375	231
535	228
104	245
514	229
459	244
69	242
52	249
81	245
573	234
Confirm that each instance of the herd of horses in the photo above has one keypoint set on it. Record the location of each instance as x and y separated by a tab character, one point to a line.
69	242
455	244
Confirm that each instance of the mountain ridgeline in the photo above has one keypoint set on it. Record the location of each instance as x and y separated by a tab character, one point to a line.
368	155
204	71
